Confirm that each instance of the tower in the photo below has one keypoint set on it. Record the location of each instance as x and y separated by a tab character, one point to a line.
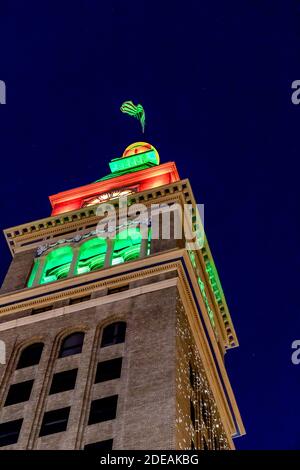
116	342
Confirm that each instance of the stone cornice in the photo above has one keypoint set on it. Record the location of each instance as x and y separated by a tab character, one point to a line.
57	312
25	234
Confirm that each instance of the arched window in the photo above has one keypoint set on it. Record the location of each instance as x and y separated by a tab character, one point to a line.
72	344
57	264
113	334
31	355
127	245
91	255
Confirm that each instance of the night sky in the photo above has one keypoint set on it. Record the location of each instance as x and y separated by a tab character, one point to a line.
215	81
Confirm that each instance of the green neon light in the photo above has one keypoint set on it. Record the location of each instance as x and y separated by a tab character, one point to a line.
137	111
91	256
213	279
127	163
205	299
202	289
192	258
149	241
33	272
57	265
127	245
127	254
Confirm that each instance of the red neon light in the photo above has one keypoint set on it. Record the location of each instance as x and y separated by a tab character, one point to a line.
73	199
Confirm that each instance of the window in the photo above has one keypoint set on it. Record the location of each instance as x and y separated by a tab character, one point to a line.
55	421
35	311
113	334
19	392
127	245
102	445
78	300
72	344
108	370
103	409
31	355
91	255
63	381
57	264
193	419
9	432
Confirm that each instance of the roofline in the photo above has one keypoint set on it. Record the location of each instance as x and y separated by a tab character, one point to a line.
116	182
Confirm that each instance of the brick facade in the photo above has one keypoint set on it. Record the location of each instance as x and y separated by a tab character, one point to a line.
146	405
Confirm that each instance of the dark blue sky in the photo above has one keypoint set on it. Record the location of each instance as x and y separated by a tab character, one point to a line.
215	80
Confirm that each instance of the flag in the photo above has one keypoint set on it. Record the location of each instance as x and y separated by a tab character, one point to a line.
136	111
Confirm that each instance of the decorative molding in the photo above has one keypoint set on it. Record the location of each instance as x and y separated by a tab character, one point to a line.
78	238
88	304
85	212
109	195
47	297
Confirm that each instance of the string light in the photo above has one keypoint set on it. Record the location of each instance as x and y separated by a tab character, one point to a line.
211	434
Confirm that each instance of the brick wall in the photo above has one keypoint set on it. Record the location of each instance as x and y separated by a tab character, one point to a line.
146	404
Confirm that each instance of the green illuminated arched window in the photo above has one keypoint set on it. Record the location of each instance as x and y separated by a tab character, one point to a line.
127	245
91	255
57	264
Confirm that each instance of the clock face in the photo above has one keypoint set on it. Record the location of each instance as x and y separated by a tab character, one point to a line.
113	194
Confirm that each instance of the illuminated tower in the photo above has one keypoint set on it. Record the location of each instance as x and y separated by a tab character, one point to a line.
114	343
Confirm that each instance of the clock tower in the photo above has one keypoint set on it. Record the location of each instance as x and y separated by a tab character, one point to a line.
115	339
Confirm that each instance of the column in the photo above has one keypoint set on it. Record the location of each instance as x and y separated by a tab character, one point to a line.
109	252
72	270
144	247
39	273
